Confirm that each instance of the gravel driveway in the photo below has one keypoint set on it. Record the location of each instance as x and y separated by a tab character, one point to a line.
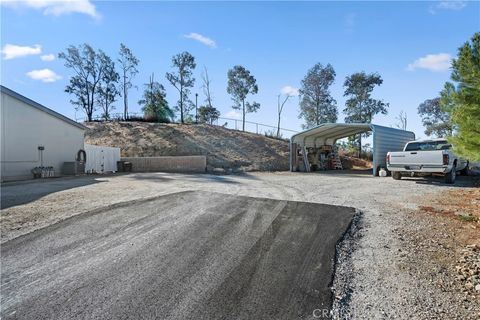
371	282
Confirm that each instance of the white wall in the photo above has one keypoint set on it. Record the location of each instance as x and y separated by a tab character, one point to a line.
23	129
101	159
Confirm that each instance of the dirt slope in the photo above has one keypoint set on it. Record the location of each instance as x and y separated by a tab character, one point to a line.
224	148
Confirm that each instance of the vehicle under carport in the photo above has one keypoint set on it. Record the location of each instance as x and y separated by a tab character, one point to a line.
320	139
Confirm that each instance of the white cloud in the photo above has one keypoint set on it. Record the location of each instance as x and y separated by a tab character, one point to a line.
44	75
448	5
288	90
202	39
432	62
11	51
55	7
48	57
452	5
233	114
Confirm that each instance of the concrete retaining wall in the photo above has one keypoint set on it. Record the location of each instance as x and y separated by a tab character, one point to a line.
168	164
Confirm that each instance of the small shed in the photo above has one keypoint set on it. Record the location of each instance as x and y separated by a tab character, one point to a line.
385	139
33	135
101	159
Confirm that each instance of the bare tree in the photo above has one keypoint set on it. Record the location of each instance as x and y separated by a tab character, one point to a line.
206	88
281	100
401	120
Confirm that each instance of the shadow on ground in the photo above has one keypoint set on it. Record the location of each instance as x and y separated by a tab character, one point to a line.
460	182
18	193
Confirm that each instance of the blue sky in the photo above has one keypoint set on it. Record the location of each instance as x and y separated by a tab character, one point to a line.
408	43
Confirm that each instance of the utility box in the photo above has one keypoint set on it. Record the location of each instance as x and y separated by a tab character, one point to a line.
73	168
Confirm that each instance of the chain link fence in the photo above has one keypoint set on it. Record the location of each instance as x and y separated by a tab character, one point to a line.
229	123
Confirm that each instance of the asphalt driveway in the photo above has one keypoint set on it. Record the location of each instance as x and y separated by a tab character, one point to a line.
186	255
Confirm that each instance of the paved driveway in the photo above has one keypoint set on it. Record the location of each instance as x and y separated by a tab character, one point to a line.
186	255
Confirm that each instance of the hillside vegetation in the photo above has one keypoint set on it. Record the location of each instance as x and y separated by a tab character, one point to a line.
224	148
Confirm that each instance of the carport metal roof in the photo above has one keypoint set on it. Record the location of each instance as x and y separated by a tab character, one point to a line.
329	133
384	138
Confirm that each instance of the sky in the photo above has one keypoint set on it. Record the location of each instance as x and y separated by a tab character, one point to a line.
410	44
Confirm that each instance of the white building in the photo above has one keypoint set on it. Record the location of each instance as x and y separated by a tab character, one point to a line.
33	135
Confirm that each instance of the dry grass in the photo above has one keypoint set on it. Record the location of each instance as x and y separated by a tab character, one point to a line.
355	163
224	148
463	205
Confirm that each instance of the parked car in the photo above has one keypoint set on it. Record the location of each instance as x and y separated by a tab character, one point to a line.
426	157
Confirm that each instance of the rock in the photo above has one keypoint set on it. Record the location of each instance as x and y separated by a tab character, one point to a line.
469	285
218	171
477	287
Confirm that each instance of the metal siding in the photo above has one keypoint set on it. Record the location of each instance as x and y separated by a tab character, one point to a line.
387	139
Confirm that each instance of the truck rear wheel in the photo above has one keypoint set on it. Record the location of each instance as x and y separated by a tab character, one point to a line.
450	176
396	175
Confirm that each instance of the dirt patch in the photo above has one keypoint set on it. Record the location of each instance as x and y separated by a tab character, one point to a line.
355	163
224	148
463	204
457	212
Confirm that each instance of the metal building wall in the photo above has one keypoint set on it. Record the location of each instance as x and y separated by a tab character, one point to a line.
387	139
25	128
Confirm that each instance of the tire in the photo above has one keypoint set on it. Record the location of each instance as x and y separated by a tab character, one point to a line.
396	175
464	171
450	176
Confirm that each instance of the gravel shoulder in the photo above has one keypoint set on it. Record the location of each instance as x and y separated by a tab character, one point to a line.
394	267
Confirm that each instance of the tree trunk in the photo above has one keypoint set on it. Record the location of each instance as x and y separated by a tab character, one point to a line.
278	126
125	104
89	114
360	146
107	107
125	98
243	104
181	104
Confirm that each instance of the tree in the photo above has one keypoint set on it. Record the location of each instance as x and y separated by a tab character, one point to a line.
462	100
155	106
281	101
208	114
107	90
240	84
128	68
206	88
360	107
183	80
89	67
401	120
317	105
435	120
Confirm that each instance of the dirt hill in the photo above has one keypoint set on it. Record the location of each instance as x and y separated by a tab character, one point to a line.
224	148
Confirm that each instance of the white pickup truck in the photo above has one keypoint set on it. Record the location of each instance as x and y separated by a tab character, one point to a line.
426	157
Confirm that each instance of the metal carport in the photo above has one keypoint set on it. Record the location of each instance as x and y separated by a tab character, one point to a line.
384	139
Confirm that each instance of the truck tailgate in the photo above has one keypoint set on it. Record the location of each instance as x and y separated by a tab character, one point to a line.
434	158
